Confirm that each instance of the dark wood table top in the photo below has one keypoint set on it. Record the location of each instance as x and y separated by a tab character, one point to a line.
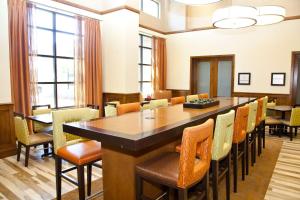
281	108
42	118
141	130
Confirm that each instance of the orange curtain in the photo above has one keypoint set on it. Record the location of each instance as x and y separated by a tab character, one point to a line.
92	62
19	56
159	64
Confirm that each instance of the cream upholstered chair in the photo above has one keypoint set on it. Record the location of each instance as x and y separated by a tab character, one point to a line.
61	139
251	132
27	139
158	103
222	143
294	122
190	98
110	111
39	110
263	119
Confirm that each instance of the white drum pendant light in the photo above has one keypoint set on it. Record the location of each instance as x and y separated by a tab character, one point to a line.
197	2
270	15
234	17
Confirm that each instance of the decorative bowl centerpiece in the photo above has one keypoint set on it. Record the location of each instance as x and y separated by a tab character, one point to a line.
201	103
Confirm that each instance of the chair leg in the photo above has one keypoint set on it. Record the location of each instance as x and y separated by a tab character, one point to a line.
89	179
58	177
215	177
27	155
243	160
81	185
291	133
228	177
138	187
19	151
235	165
259	138
182	194
247	153
206	185
254	147
46	150
171	194
264	134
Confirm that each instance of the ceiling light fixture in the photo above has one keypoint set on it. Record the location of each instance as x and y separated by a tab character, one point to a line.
270	15
234	17
197	2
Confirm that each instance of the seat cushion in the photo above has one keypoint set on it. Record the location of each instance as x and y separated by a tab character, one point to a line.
162	169
39	138
81	153
272	121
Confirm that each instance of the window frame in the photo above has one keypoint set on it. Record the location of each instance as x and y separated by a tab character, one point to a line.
141	64
55	57
158	8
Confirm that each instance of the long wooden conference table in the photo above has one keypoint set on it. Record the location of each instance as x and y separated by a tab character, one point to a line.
134	137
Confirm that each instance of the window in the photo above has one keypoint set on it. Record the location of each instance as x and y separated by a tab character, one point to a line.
145	65
150	7
54	39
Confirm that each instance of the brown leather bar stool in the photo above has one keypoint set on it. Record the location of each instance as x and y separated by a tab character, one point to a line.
239	142
182	170
81	154
128	108
177	100
259	127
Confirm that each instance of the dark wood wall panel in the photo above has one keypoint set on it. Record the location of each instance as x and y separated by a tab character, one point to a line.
7	131
122	97
281	99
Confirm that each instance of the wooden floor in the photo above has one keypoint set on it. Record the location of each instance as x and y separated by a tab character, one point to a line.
38	180
285	182
35	182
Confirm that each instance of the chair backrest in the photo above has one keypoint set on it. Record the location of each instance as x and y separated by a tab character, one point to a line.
110	111
264	108
295	117
203	96
223	135
158	103
162	94
128	108
240	124
177	100
21	128
260	103
252	116
37	126
69	115
191	168
190	98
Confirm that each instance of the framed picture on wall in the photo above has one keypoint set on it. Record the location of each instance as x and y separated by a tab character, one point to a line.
278	79
244	78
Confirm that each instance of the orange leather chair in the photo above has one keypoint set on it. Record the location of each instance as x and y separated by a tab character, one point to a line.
259	127
239	138
80	154
182	170
203	96
177	100
128	108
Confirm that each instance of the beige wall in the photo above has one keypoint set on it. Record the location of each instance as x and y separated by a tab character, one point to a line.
201	16
120	51
259	50
5	94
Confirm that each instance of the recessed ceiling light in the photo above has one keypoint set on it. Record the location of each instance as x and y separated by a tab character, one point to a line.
270	15
197	2
234	17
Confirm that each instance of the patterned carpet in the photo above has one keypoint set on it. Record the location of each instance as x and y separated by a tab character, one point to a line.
285	181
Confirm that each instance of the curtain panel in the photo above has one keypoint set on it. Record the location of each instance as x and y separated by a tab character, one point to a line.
93	62
159	63
22	80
